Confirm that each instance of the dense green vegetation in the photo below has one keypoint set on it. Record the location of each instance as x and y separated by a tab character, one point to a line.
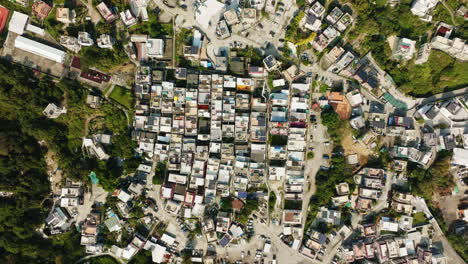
333	123
23	172
22	99
437	178
160	173
293	31
103	260
271	202
325	182
250	206
376	21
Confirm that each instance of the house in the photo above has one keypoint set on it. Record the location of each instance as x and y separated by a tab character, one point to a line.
270	63
342	188
231	17
222	30
249	15
57	219
52	111
155	48
460	157
404	49
387	224
105	41
293	73
106	13
93	101
85	39
41	9
138	8
18	22
329	216
345	21
64	15
312	22
317	9
257	72
334	15
70	43
423	8
293	217
127	18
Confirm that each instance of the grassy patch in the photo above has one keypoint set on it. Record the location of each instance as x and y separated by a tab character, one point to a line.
419	218
122	96
152	28
323	87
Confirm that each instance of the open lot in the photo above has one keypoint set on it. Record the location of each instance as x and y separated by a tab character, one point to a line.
31	60
122	96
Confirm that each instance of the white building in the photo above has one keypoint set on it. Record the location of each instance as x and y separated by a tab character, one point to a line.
423	8
138	8
84	39
155	48
40	49
18	23
105	41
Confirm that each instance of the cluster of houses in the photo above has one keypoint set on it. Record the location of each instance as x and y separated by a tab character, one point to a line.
450	116
211	132
337	20
62	214
235	20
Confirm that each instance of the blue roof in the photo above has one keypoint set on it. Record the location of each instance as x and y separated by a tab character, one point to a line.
242	195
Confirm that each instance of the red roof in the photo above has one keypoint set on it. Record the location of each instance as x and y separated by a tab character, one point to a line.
3	17
237	204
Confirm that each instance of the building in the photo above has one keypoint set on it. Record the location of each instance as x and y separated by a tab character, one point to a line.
317	9
70	43
271	63
460	157
21	2
423	53
84	39
64	15
105	41
106	13
53	111
138	8
404	49
312	22
423	8
455	47
41	9
222	30
249	15
40	49
18	23
231	17
127	18
155	48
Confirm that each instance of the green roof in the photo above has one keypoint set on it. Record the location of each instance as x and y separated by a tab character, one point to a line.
93	177
395	102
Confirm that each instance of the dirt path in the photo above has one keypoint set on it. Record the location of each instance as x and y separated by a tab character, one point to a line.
55	174
92	12
87	120
450	12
